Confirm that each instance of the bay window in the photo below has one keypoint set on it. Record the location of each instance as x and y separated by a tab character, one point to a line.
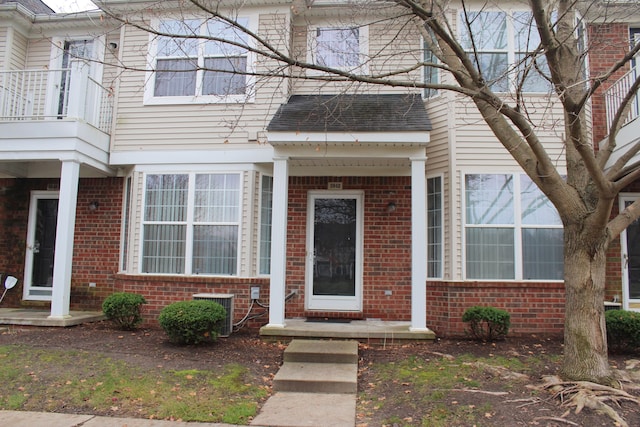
512	231
191	224
203	58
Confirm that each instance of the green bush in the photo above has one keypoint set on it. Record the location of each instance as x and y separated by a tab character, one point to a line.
124	309
192	322
623	330
487	323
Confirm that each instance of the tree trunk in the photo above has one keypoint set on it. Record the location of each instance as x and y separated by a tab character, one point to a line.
585	336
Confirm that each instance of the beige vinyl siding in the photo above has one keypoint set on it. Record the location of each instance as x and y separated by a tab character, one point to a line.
3	47
438	164
18	56
392	46
477	146
39	54
190	126
247	221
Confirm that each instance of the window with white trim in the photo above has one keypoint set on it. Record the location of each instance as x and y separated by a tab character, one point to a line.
343	48
434	227
206	59
431	75
266	216
191	224
503	43
512	231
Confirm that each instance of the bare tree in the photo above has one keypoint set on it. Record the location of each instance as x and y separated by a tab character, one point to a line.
555	54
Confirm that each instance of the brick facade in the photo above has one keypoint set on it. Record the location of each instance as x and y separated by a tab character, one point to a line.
160	291
96	242
387	245
535	308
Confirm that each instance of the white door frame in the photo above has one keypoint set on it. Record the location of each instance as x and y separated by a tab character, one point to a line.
29	249
626	299
333	302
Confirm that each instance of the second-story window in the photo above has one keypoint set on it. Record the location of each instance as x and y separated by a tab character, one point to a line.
501	45
343	48
200	59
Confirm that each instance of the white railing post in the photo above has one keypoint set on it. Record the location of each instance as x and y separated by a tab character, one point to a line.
77	95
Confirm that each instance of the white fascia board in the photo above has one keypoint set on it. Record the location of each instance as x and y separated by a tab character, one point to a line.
350	150
409	138
193	157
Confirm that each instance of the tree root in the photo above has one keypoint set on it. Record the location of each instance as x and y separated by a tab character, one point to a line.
583	394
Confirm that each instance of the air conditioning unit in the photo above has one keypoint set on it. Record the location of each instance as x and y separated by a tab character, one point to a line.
225	300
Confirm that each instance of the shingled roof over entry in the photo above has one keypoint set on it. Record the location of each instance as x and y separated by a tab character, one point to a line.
351	113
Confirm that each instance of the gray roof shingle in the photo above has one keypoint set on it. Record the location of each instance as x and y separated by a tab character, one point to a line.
35	6
351	113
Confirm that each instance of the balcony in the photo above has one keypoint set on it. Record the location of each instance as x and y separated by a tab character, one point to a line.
48	116
629	133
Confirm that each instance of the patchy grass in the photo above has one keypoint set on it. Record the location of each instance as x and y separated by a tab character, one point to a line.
432	387
88	383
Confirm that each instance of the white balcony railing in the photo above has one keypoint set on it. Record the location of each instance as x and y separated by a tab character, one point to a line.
54	95
615	94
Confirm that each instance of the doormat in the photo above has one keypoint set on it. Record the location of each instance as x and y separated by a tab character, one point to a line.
328	320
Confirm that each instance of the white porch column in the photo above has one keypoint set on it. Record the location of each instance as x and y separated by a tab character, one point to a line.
277	282
65	228
418	245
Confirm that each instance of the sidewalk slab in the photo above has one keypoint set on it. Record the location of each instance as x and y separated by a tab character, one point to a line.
286	409
41	419
50	419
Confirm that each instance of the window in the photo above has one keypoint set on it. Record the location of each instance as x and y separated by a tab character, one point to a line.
430	74
434	227
191	224
509	237
266	214
340	47
192	66
503	43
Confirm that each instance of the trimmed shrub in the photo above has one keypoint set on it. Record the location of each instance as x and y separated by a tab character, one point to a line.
192	322
487	323
623	330
124	309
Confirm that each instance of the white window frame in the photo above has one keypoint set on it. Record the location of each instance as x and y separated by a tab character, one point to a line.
510	49
260	236
517	227
429	93
190	222
442	241
363	43
150	79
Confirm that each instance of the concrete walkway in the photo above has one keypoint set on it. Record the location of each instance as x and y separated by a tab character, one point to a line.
316	386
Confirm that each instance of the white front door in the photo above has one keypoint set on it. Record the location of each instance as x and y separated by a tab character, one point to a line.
41	241
334	251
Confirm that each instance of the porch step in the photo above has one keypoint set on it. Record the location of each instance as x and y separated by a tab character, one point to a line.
312	366
304	377
316	351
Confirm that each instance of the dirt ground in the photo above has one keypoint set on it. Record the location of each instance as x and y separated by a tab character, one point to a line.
521	406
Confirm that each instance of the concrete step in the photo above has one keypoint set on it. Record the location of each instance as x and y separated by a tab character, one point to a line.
306	377
318	351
